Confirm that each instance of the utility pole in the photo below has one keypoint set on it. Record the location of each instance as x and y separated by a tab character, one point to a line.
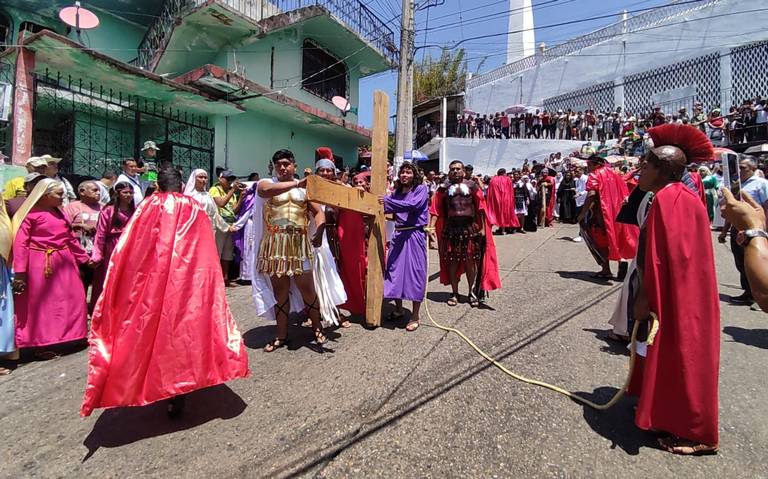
404	127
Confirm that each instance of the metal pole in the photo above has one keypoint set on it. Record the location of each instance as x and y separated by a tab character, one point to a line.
404	128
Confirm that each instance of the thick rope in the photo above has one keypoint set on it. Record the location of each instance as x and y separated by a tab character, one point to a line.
600	407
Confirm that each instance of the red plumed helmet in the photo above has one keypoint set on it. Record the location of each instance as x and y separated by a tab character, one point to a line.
693	142
324	153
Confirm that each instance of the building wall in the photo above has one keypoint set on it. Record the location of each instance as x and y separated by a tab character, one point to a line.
285	76
114	36
715	29
246	142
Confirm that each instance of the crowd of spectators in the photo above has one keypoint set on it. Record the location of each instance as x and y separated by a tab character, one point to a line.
745	123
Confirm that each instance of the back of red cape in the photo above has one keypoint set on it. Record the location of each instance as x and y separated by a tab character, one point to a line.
677	380
162	326
490	280
501	202
612	190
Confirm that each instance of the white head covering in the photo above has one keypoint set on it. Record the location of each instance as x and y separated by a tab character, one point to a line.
189	189
42	188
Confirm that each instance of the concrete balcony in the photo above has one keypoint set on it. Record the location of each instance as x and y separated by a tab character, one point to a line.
212	24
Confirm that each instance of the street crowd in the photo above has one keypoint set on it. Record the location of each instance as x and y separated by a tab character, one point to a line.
743	123
117	259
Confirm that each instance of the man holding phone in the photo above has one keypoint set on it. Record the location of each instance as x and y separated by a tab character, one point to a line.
226	195
757	188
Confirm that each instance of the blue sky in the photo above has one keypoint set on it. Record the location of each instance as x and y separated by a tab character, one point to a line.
462	14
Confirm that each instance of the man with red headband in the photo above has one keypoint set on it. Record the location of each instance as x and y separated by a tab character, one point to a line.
464	237
676	298
606	239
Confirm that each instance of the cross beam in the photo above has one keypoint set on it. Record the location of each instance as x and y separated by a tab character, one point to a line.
339	196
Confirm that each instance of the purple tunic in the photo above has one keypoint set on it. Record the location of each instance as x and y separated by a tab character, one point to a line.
238	237
406	274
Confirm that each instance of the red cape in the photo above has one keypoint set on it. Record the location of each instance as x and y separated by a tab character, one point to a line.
353	259
490	279
699	186
162	326
612	190
550	213
501	202
677	380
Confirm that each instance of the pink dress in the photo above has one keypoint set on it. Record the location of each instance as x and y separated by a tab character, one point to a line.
52	308
107	235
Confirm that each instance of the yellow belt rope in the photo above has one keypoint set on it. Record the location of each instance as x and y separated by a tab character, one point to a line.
600	407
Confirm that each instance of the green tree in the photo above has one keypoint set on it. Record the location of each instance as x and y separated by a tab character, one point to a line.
435	78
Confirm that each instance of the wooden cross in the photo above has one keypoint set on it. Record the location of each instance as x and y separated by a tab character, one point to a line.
340	196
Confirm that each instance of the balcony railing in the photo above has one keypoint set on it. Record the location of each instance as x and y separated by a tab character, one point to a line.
638	22
353	13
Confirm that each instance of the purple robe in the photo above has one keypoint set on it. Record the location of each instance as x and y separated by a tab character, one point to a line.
406	273
238	237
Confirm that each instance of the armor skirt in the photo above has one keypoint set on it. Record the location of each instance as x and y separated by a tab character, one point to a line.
460	239
284	251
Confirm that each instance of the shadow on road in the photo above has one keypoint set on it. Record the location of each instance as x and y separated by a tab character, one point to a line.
616	424
751	337
617	348
120	426
583	276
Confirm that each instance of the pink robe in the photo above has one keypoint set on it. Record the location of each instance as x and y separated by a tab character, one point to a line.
107	235
51	309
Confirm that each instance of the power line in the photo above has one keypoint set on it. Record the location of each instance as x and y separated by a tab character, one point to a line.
569	22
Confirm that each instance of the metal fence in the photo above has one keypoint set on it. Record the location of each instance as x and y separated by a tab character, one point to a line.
353	13
92	127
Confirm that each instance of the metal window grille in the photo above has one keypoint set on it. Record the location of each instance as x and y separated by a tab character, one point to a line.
7	81
703	73
597	97
749	73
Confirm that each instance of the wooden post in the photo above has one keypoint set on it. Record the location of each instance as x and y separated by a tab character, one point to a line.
339	196
375	274
23	97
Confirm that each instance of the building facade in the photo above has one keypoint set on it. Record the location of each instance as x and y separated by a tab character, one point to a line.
212	82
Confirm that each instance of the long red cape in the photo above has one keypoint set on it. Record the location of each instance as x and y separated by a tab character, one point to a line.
490	279
162	326
677	380
612	190
501	202
353	259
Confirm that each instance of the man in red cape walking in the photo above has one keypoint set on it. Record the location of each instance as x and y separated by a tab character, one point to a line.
162	327
676	380
606	239
501	203
353	261
464	238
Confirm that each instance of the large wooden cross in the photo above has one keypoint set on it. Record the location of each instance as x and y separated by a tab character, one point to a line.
340	196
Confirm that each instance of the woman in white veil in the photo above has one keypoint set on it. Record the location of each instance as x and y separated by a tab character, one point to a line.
197	188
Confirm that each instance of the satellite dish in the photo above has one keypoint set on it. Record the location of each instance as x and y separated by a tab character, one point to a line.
78	17
342	104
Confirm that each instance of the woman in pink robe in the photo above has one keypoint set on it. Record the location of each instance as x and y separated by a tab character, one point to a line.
113	219
50	299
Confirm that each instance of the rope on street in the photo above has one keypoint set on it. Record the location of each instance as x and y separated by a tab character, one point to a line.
600	407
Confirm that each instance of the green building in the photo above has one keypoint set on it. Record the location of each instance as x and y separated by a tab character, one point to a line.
212	82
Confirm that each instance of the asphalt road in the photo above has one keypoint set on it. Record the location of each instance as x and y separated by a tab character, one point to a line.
387	403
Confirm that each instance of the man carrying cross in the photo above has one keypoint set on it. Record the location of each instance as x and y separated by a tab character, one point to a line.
464	237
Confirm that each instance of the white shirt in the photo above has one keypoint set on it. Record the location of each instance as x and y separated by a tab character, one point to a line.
581	190
138	193
103	193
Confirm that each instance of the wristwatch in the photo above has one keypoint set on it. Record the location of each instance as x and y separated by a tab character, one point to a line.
747	235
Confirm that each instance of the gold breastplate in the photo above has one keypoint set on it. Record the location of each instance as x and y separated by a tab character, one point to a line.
287	209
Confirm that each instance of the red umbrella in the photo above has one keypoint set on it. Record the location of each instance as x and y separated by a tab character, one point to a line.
514	109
